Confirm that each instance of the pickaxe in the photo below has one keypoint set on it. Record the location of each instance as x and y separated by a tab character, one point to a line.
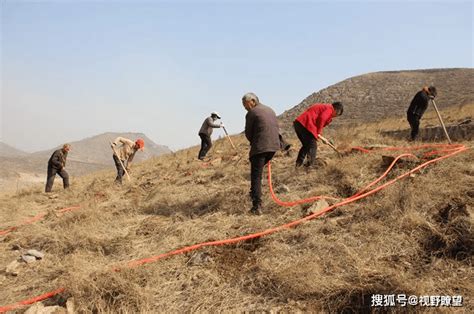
227	135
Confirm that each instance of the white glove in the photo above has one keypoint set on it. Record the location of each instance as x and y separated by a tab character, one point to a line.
222	125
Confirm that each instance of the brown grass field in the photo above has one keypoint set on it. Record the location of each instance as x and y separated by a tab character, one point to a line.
414	237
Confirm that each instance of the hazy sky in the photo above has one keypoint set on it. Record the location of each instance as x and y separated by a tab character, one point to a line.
74	69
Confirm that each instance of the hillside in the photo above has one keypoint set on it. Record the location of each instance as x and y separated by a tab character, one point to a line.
96	149
86	156
414	237
10	151
389	92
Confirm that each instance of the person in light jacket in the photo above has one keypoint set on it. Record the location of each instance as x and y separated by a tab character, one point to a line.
125	153
205	133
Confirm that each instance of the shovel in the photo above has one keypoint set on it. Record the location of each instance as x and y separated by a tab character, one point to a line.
123	167
325	141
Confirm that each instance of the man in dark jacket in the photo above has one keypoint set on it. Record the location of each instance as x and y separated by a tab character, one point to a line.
418	107
309	125
261	129
205	133
56	165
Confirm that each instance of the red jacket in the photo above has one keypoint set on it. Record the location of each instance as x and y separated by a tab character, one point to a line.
316	117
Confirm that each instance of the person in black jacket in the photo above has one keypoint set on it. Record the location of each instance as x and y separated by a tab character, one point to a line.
56	165
418	107
262	131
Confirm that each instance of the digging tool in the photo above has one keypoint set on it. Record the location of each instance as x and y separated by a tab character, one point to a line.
228	137
441	121
325	141
121	163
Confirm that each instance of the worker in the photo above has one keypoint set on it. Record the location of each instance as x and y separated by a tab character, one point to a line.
261	130
124	154
418	107
309	125
205	133
56	165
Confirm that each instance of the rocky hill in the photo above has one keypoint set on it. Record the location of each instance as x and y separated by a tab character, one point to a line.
96	149
375	96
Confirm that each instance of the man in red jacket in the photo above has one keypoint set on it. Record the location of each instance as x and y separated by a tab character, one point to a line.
310	124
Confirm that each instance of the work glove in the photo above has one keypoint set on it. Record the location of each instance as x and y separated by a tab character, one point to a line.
113	145
222	125
431	97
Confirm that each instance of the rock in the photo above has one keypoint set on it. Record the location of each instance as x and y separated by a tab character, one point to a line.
282	189
70	307
319	205
12	268
35	253
28	259
199	258
39	308
35	308
16	247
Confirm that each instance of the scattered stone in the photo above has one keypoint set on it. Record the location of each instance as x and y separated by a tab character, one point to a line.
282	189
199	258
52	196
35	253
39	308
70	307
12	268
28	259
319	205
16	247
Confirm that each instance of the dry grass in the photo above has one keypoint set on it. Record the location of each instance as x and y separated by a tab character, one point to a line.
415	237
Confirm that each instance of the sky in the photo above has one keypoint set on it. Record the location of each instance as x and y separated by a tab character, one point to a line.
74	69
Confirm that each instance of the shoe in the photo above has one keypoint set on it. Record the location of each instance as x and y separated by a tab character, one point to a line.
256	210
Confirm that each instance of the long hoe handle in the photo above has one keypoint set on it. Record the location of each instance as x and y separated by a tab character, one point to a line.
228	137
441	121
325	141
121	163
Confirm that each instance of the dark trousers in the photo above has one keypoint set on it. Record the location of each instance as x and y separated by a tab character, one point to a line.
206	145
257	162
414	121
52	174
120	170
309	145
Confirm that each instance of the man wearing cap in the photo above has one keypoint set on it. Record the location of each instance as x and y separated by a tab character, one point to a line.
56	165
418	107
262	131
125	154
205	133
